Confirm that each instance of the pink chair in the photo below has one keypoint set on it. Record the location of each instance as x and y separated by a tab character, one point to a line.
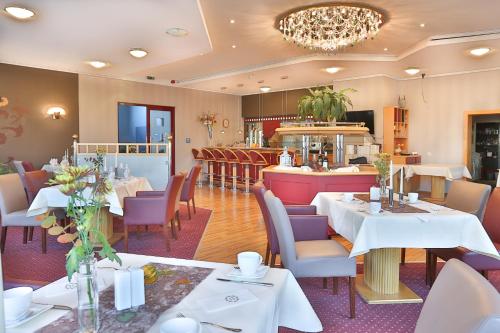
33	181
187	193
28	166
209	157
245	162
258	162
153	208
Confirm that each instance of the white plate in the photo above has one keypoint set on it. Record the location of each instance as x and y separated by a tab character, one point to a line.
34	311
259	274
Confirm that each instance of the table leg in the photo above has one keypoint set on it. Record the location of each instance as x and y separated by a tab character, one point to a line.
380	283
437	187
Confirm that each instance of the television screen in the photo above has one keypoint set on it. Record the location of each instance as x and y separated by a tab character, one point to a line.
365	116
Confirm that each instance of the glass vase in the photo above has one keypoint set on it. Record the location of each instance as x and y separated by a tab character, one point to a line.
88	296
383	187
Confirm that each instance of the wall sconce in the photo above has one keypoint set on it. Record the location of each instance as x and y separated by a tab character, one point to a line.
56	112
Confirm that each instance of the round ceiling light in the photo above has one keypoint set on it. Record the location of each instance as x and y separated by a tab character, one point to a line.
329	27
177	32
98	64
265	89
480	51
332	70
19	12
412	70
138	53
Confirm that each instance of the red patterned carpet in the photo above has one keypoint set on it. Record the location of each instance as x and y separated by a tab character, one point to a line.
25	263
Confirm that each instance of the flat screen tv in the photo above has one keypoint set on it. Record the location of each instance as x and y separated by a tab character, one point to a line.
365	116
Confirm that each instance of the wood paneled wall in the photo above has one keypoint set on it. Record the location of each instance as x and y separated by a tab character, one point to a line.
272	104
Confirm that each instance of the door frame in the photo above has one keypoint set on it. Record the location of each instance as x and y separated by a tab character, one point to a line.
468	132
150	107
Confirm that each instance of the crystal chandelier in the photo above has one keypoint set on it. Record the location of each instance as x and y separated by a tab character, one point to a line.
330	28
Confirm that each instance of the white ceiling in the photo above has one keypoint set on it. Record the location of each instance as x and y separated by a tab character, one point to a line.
65	34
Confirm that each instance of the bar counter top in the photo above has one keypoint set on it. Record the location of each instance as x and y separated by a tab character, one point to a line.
266	149
364	170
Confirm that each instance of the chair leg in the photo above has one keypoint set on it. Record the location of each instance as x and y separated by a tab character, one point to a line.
172	228
3	238
25	235
146	227
325	283
189	209
167	241
178	217
273	260
194	207
433	269
403	256
268	251
44	240
125	238
352	296
30	235
427	267
335	287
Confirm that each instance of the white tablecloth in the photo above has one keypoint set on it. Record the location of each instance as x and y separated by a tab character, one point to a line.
448	171
441	228
282	305
51	168
128	187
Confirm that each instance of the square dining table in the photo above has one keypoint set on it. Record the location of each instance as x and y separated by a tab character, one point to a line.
380	238
283	304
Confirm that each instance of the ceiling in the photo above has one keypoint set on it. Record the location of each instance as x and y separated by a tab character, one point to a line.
65	34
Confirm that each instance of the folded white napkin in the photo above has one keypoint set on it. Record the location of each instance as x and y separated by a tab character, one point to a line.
227	300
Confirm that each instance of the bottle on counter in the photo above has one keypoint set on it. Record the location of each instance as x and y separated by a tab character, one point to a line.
325	161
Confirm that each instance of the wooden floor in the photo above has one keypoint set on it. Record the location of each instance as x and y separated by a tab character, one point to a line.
236	225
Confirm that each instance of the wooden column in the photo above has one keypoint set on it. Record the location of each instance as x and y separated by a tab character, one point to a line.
437	187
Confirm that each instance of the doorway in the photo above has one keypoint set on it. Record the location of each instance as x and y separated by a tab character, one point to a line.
145	123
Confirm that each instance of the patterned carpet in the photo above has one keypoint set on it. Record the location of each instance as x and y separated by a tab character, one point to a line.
25	263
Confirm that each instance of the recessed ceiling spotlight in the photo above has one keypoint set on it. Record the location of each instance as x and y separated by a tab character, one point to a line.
19	12
480	51
265	89
138	53
233	46
232	21
97	64
412	70
332	70
422	25
386	49
284	77
177	32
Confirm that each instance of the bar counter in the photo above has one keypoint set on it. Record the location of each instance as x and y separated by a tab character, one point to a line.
295	186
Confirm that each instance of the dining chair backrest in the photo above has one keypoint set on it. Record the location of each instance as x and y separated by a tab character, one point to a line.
196	154
284	231
219	155
468	197
190	183
34	181
178	193
259	190
230	155
207	154
460	301
491	220
12	195
243	157
257	158
173	188
28	166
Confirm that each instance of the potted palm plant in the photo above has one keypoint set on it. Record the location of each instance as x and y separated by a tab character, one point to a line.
324	104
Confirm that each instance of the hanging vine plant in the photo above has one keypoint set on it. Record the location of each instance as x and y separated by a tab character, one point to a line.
324	104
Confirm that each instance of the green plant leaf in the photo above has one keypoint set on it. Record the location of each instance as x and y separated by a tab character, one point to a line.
48	222
73	258
55	230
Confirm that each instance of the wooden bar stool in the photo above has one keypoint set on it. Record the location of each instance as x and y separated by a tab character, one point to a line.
210	159
232	160
258	162
198	158
221	160
245	162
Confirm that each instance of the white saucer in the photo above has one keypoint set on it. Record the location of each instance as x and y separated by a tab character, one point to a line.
33	311
259	274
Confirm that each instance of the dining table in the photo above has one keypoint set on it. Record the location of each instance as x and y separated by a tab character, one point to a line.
51	197
380	237
281	302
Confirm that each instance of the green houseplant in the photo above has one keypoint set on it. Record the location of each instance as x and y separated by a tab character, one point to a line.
382	165
325	104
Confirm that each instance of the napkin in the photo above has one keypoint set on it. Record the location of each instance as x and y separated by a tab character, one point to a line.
227	300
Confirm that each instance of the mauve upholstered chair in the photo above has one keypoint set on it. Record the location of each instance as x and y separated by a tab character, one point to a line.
480	262
28	166
306	224
153	208
461	301
13	209
33	181
311	258
188	188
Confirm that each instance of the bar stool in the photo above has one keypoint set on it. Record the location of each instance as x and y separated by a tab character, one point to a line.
245	162
232	160
221	160
198	157
210	159
258	162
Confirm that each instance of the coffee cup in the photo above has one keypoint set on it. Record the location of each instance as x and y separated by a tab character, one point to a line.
249	262
348	197
17	302
180	325
375	207
412	197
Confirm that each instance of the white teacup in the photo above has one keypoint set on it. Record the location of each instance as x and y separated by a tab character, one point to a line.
249	262
412	197
348	197
17	302
375	207
180	325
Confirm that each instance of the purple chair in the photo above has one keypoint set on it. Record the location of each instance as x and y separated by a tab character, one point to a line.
153	208
28	166
187	193
481	263
306	224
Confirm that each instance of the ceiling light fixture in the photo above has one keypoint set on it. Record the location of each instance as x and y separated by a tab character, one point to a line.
233	46
332	70
56	112
19	12
177	32
329	28
412	70
480	51
265	89
232	21
386	49
98	64
422	25
138	53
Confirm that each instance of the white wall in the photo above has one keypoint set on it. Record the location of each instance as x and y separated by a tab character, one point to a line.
98	115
